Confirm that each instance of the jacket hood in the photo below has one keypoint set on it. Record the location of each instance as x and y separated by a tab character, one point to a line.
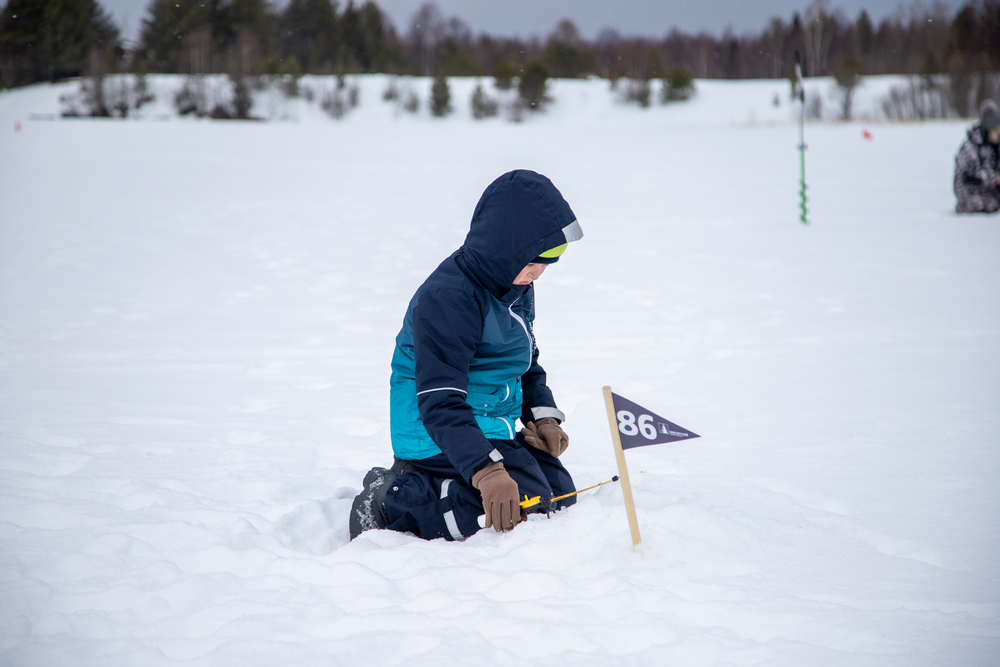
520	216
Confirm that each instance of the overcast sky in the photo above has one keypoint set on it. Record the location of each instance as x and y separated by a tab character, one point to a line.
653	18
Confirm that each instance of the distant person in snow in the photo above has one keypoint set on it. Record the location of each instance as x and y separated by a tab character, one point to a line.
465	368
977	166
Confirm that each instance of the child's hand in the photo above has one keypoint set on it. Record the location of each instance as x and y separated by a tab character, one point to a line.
546	435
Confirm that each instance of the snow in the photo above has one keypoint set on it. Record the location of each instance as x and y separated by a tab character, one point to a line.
196	321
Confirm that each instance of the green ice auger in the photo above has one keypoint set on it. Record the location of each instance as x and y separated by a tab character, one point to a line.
802	140
802	184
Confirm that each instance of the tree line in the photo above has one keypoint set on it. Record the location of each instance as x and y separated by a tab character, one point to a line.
48	40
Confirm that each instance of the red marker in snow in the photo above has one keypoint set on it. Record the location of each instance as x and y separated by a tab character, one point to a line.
867	135
17	126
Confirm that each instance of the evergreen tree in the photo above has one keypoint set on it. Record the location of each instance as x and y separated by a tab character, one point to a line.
307	31
239	23
364	35
242	99
504	73
238	31
51	39
566	54
568	61
165	29
350	38
866	33
483	106
534	85
678	85
456	60
440	97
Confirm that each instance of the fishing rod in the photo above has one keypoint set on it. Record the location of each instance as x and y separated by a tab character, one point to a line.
537	500
547	503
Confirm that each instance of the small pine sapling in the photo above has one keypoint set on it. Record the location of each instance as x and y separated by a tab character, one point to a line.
678	85
411	102
483	106
504	74
440	97
534	85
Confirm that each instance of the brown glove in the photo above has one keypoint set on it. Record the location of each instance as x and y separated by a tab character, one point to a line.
546	435
499	497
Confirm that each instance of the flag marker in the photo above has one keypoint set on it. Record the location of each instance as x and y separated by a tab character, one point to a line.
631	426
634	426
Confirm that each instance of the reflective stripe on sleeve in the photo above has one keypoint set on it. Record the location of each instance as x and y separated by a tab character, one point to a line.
542	412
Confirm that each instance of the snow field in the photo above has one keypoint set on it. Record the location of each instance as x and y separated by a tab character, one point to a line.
196	321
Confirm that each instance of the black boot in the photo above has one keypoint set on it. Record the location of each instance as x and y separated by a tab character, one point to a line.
368	509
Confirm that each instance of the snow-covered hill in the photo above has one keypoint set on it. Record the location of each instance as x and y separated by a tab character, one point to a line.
196	321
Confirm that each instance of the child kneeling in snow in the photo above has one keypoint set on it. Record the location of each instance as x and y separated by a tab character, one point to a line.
977	165
465	368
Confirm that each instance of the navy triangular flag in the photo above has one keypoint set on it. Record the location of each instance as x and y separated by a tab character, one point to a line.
638	426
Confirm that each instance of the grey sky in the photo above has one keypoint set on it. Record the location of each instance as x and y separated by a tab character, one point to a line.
650	18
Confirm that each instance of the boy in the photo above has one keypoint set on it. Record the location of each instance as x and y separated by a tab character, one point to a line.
465	367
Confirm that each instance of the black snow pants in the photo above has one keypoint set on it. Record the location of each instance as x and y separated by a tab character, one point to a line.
976	197
431	499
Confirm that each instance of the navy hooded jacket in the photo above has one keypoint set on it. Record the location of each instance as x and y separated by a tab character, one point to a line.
466	364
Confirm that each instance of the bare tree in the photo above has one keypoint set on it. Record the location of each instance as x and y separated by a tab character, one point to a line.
97	69
847	73
566	32
198	51
774	38
245	65
608	47
817	36
636	64
704	49
197	48
426	29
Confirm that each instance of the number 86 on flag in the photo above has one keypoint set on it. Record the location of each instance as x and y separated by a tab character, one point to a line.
647	428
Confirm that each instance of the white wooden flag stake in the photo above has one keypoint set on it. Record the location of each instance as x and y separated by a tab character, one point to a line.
634	426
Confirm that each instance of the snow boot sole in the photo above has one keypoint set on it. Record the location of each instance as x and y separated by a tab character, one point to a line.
368	508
